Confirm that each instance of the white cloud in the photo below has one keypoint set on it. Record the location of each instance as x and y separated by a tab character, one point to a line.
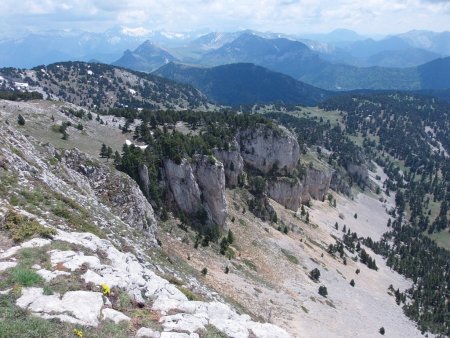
289	16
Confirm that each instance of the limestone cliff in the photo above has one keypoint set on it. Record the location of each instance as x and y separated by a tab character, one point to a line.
286	191
233	164
211	180
183	185
316	183
292	192
197	185
266	148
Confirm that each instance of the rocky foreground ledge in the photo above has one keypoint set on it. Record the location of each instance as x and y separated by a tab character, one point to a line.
178	316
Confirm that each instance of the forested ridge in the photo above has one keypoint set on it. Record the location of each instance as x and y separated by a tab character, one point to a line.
409	136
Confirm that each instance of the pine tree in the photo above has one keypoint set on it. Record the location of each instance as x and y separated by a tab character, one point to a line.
230	236
103	151
314	274
352	283
323	291
109	153
117	159
20	120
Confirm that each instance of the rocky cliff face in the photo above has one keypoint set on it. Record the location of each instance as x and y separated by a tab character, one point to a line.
292	192
183	185
358	172
211	180
116	189
233	165
263	148
74	176
316	183
339	183
197	185
286	191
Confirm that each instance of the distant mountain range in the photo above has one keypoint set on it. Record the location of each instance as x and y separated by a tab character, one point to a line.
76	45
341	60
146	58
339	46
244	83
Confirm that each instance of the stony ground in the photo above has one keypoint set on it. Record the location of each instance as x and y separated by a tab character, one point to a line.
269	275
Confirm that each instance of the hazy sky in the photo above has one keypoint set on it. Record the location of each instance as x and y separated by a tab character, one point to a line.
285	16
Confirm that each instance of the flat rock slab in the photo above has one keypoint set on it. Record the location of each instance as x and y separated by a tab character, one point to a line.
178	335
73	260
115	316
145	332
33	243
49	275
7	265
79	307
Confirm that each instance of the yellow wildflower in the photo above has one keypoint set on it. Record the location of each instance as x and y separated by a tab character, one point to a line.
106	289
78	333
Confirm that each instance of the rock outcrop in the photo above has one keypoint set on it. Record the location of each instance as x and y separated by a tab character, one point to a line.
339	183
124	271
292	192
183	185
286	191
144	181
316	183
233	165
117	189
198	184
266	149
211	180
358	172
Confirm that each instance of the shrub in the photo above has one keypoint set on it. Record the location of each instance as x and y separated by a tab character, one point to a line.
204	271
315	274
21	227
323	291
21	120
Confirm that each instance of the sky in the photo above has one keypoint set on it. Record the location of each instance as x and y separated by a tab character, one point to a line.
370	17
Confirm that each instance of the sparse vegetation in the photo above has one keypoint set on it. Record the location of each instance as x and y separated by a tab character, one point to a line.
21	227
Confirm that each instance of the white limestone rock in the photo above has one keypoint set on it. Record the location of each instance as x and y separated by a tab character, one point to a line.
73	260
145	332
80	307
263	148
184	322
7	265
115	316
49	275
